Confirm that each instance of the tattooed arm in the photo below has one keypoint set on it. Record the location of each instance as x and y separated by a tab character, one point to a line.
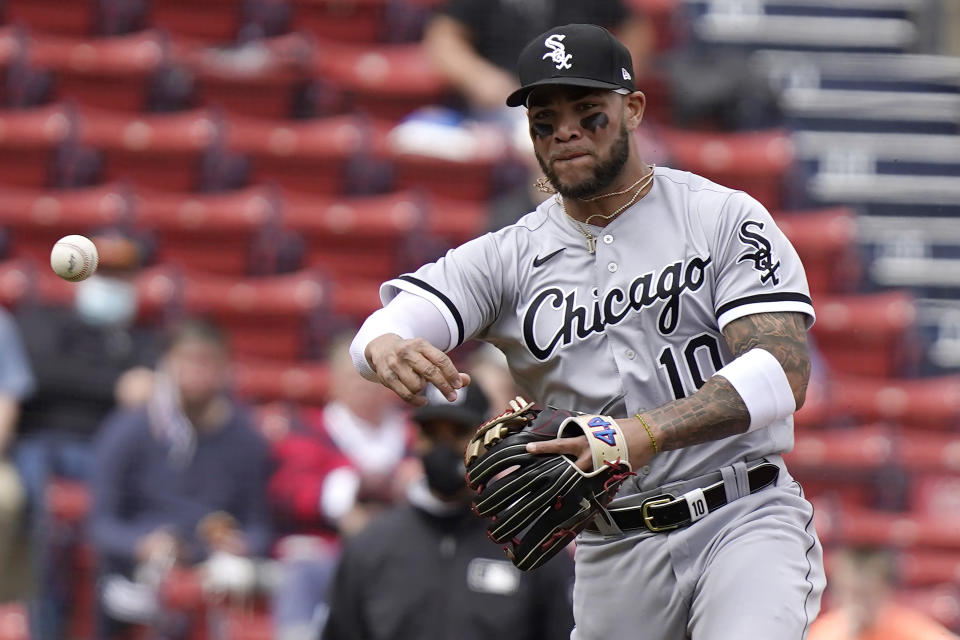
716	410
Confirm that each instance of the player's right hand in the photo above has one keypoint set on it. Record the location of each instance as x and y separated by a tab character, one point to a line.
407	366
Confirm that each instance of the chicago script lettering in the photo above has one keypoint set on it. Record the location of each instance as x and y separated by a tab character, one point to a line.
578	321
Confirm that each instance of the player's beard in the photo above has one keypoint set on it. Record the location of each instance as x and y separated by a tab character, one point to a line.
603	175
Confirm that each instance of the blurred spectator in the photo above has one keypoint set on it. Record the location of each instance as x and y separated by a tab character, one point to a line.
360	413
427	569
475	43
16	381
87	360
861	584
179	481
334	472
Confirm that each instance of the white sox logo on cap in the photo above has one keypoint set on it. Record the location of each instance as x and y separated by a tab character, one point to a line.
558	53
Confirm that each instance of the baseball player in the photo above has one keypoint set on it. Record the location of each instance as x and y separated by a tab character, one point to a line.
666	307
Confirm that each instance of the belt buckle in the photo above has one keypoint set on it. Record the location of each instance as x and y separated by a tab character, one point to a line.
648	519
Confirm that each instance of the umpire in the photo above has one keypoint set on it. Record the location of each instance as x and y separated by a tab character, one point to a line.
426	569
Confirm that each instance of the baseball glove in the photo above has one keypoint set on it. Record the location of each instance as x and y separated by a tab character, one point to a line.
539	502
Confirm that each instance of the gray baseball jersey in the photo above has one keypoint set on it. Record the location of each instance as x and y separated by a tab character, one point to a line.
638	323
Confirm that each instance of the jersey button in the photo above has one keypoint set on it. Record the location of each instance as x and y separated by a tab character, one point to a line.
612	267
631	354
645	470
608	239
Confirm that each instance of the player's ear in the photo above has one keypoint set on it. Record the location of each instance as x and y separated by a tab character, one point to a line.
633	106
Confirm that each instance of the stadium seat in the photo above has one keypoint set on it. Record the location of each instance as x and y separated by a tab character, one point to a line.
755	161
375	237
169	151
36	218
867	334
384	81
271	317
269	381
923	403
825	240
359	21
855	449
230	233
34	146
897	529
129	72
921	451
456	221
322	155
262	79
468	178
922	567
62	17
936	494
216	21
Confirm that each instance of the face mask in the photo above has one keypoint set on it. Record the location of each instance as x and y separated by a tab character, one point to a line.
105	301
444	470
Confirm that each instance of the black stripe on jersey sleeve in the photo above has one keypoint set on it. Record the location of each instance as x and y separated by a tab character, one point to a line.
785	296
443	298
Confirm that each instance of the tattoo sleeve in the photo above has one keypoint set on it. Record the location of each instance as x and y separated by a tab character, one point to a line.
716	410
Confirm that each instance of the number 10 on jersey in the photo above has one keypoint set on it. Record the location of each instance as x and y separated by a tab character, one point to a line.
672	365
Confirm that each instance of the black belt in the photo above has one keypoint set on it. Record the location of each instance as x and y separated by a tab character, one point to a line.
666	512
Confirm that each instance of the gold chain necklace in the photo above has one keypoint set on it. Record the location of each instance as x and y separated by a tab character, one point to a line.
592	239
620	193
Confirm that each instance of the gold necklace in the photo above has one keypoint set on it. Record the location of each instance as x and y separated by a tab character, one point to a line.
592	239
620	193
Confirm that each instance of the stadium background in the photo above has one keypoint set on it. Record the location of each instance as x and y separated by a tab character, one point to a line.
250	142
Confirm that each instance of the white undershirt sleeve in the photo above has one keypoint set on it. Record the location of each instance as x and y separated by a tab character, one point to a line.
407	315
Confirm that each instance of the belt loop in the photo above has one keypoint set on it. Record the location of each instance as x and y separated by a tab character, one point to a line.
743	480
729	483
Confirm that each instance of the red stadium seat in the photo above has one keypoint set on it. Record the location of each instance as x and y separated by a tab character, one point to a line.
921	567
370	237
260	381
170	151
465	179
929	451
867	334
825	239
936	494
754	161
383	81
231	233
38	218
304	155
113	73
456	220
922	403
260	79
270	317
32	143
63	17
902	530
356	299
362	21
210	20
862	448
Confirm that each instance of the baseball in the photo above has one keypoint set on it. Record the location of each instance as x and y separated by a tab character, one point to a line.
74	258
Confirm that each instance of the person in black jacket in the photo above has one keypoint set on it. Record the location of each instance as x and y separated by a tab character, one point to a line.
426	569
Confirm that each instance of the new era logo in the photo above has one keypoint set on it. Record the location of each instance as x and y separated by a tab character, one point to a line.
626	74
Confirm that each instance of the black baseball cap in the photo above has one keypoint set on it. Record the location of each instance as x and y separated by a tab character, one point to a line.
581	55
469	410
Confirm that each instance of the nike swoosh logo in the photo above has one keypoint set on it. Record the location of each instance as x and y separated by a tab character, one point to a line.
538	261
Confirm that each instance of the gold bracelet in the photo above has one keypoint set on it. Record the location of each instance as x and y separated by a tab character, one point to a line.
653	441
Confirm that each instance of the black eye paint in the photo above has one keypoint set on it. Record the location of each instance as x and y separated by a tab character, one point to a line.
541	130
595	121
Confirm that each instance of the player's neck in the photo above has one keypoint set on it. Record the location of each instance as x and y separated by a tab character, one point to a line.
633	183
